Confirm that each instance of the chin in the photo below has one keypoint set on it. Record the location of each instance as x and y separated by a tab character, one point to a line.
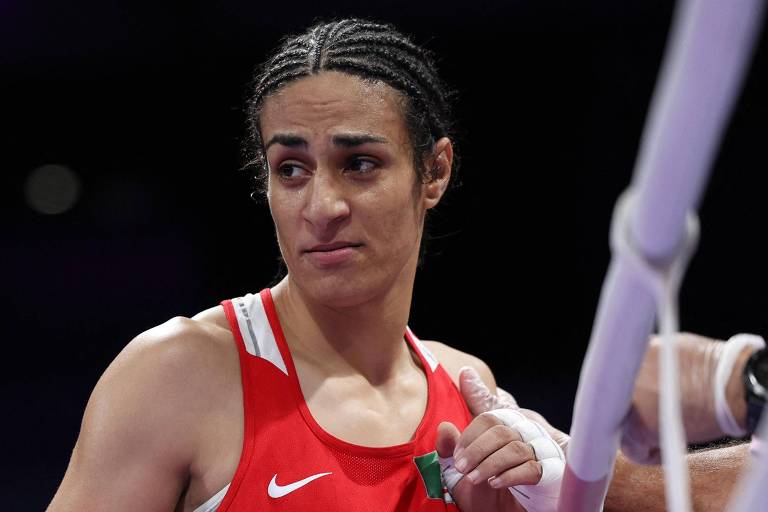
337	290
341	296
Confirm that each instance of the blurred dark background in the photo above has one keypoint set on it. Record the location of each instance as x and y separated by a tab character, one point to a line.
123	206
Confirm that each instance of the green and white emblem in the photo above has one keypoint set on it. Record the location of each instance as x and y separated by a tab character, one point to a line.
429	469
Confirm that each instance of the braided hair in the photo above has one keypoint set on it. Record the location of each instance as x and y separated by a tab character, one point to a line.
371	51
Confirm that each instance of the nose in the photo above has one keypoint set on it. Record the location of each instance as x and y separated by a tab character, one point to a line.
326	206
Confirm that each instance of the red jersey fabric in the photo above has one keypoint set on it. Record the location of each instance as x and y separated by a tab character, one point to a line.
289	462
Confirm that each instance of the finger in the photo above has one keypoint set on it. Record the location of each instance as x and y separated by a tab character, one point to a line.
511	455
488	442
447	437
528	473
477	395
475	428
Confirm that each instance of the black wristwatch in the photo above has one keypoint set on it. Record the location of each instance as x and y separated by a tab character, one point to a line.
755	378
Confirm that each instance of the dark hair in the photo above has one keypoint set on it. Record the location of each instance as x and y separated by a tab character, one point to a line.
371	51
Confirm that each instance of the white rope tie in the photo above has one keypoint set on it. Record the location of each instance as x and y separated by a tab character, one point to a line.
663	282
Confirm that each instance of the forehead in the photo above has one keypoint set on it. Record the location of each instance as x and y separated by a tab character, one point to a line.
333	102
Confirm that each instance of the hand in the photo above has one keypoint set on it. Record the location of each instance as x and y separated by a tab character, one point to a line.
698	360
504	446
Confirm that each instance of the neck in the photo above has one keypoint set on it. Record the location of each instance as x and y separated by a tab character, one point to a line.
366	339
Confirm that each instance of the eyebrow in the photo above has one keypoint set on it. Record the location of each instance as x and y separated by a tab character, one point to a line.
346	140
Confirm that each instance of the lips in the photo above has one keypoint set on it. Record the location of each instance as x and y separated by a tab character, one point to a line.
333	256
332	246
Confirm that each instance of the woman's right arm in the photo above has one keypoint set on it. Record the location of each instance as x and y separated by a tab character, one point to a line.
137	439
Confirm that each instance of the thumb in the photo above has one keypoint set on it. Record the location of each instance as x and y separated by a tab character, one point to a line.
477	395
447	438
505	399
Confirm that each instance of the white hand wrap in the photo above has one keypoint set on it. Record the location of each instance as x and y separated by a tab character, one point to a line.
541	497
451	475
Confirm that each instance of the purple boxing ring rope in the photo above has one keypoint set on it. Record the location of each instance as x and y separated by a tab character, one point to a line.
652	236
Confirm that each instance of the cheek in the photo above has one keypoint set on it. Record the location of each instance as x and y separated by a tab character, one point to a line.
395	222
281	218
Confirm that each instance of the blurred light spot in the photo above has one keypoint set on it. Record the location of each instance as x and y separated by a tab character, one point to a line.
52	189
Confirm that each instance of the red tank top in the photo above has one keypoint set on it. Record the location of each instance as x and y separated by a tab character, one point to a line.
289	462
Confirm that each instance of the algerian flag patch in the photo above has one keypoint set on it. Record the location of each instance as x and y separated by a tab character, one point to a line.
429	469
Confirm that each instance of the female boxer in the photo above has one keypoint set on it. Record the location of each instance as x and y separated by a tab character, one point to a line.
314	393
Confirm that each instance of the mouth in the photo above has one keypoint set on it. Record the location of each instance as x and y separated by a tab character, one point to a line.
338	255
333	247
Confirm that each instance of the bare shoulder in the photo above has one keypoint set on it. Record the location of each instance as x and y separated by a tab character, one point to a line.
176	350
186	361
452	359
141	426
212	318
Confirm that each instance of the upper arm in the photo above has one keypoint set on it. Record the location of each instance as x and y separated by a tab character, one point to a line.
136	439
453	359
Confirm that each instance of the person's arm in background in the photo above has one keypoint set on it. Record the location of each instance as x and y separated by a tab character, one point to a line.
713	473
707	368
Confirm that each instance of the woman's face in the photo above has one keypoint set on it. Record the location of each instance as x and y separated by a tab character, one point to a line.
341	171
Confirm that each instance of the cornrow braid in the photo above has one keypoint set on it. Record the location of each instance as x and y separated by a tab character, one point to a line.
371	51
319	43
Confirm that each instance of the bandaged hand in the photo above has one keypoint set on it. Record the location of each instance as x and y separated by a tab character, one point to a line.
506	450
710	388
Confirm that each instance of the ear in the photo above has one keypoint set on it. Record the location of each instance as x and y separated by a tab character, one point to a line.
440	170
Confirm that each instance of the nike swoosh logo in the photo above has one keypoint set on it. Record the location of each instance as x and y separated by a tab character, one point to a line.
278	491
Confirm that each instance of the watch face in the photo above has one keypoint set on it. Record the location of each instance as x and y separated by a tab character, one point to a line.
760	369
756	376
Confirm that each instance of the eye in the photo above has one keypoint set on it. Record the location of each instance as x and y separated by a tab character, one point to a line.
362	165
285	171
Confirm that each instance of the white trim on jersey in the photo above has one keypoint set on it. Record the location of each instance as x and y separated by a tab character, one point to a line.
431	359
213	503
256	331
